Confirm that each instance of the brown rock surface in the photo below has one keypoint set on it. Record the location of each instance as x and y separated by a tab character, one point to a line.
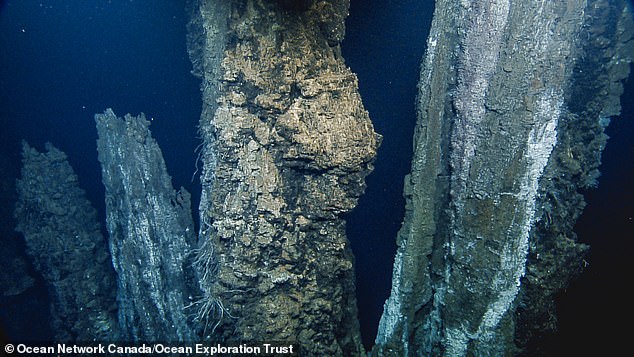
288	144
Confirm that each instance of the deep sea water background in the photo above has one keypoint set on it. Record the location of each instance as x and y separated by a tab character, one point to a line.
384	45
63	61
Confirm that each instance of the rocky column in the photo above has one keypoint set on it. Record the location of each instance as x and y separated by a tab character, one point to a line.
606	50
497	108
287	147
151	232
63	238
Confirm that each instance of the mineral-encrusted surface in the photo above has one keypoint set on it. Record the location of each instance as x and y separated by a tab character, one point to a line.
606	51
63	238
288	144
508	131
15	278
151	232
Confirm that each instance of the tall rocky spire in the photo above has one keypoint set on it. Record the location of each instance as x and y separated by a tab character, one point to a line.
513	99
288	144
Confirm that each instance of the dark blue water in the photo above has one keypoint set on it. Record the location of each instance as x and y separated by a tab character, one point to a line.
63	61
384	45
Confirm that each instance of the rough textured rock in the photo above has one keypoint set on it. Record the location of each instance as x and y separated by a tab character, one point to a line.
151	232
287	147
64	240
593	97
206	41
15	277
503	143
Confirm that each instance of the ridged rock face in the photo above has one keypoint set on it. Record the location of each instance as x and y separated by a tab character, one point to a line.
490	191
63	238
606	51
288	146
151	232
